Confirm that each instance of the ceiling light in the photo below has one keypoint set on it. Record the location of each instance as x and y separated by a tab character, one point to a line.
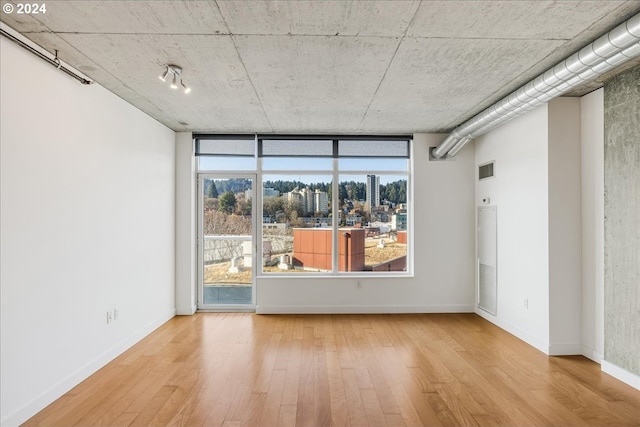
163	77
177	77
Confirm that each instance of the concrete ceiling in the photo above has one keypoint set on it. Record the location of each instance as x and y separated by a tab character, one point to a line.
318	66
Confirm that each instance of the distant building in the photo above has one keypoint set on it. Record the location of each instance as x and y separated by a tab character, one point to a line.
399	221
321	202
266	192
309	201
352	220
307	197
373	191
270	192
317	222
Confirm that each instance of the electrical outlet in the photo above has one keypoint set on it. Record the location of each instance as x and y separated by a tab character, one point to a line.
116	314
109	317
526	303
358	284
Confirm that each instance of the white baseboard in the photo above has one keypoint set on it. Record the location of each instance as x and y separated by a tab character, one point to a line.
621	374
592	354
566	349
515	331
364	309
52	393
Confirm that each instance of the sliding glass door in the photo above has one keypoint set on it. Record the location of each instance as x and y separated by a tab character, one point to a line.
226	241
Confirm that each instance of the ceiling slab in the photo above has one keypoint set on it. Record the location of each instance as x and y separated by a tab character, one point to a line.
222	92
318	66
425	71
548	20
346	18
316	83
128	17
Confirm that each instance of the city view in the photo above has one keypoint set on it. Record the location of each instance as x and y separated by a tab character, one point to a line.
297	218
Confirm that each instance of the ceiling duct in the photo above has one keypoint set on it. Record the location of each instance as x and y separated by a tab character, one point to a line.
606	53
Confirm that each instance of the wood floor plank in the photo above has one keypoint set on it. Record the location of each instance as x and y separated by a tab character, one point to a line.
398	375
153	407
287	416
322	399
355	406
373	408
337	393
273	399
242	369
292	378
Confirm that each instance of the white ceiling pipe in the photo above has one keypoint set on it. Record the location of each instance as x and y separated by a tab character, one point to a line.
458	146
488	119
444	146
605	53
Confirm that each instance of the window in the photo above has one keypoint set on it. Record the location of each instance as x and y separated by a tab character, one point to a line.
297	222
226	152
328	205
373	215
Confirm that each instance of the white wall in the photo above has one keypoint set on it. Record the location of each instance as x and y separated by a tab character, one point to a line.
519	189
186	250
537	191
565	227
87	224
592	123
444	253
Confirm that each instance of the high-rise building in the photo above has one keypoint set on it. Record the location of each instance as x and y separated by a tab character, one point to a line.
373	191
321	201
307	196
309	201
295	197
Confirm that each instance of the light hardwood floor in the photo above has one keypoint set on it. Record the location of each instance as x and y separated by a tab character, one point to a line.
343	370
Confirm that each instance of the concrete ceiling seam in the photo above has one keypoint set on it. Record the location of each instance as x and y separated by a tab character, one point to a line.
384	75
606	53
244	66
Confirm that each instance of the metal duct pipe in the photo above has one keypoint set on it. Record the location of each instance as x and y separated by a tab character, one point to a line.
445	145
458	146
606	53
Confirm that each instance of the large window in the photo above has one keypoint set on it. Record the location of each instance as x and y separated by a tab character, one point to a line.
328	205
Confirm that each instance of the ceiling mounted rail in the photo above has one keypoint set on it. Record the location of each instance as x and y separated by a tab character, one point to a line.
55	61
606	53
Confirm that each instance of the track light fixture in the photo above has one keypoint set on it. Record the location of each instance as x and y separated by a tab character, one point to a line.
163	77
176	71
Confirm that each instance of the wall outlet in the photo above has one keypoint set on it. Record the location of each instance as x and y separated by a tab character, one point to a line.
358	284
526	303
116	314
109	317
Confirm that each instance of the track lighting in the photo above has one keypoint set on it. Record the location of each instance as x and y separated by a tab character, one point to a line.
163	77
177	77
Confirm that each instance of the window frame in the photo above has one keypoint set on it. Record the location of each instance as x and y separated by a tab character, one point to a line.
335	174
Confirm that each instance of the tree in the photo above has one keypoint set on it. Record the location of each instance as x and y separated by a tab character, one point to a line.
227	202
292	210
212	191
272	205
243	206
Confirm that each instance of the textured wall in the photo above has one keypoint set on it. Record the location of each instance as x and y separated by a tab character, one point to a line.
622	220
